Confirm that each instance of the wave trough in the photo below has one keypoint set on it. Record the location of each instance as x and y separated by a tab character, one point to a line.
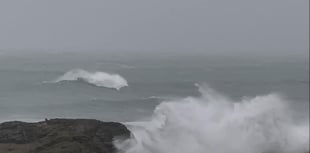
100	79
212	123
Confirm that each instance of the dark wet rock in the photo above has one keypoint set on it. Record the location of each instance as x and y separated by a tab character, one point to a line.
61	136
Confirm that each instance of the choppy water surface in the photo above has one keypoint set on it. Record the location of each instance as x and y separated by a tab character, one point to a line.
262	102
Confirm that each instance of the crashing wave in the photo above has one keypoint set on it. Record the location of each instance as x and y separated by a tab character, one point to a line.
100	79
212	123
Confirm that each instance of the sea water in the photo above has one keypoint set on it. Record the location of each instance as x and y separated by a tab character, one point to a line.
177	103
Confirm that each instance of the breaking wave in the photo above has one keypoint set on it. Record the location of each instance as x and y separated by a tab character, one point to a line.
212	123
100	79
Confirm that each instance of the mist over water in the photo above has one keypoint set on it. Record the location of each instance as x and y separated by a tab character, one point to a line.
140	63
212	123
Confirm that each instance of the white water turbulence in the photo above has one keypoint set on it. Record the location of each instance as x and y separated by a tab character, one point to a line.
100	79
212	123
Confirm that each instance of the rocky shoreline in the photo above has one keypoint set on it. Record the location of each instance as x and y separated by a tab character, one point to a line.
61	136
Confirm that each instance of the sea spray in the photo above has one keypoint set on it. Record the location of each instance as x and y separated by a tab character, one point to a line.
212	123
100	79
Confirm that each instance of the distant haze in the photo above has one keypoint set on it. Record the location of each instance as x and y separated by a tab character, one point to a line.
158	25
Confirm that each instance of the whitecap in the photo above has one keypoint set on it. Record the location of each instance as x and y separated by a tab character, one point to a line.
100	79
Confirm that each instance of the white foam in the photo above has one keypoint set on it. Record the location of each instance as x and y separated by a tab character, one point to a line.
214	124
100	79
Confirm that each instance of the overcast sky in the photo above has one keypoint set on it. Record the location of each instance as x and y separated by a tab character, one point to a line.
204	25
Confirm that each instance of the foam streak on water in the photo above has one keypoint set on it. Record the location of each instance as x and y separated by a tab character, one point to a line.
214	124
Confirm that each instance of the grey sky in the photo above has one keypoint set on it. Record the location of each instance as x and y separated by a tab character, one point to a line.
267	25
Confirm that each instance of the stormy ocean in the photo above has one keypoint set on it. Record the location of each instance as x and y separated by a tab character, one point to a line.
198	102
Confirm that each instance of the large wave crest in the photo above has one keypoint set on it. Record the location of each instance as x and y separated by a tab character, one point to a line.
100	79
212	123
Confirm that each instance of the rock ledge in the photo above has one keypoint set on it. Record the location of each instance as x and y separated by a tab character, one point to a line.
61	136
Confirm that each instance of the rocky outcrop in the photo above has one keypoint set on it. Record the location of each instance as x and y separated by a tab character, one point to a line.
61	136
